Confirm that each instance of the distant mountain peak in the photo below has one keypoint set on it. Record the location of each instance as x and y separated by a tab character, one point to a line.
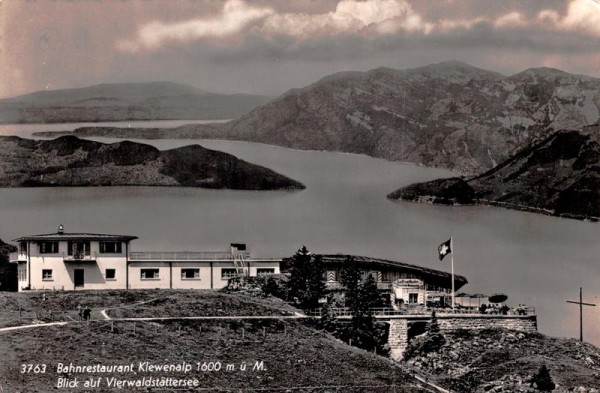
161	100
455	66
548	73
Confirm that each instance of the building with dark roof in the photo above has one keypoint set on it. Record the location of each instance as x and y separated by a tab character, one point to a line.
403	282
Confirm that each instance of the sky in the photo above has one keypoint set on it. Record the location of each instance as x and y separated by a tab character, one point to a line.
270	46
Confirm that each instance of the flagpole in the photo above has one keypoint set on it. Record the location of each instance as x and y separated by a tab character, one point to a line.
452	264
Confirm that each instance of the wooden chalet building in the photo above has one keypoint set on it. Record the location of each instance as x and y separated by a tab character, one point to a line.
404	283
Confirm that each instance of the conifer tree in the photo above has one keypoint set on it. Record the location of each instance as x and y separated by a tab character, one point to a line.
350	279
434	339
307	282
543	380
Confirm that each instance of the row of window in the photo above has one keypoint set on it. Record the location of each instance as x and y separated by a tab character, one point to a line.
154	274
194	273
80	248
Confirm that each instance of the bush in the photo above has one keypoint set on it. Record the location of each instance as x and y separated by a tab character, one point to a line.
271	288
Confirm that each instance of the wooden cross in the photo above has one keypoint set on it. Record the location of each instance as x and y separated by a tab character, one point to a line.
581	304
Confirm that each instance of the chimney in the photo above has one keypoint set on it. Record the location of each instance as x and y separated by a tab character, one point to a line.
61	229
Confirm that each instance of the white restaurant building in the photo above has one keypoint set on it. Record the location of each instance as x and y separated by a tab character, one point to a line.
73	261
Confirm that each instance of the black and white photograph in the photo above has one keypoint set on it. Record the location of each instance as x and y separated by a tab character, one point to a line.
300	196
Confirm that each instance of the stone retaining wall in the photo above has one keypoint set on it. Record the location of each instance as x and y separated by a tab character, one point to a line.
398	338
398	334
523	323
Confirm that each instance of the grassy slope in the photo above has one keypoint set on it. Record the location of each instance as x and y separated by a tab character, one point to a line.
62	306
294	355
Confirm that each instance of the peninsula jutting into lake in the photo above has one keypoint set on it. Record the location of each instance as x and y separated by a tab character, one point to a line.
70	161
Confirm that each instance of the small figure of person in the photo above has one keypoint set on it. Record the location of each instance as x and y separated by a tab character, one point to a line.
482	308
87	313
80	312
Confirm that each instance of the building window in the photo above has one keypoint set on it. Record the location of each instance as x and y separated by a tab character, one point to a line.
110	274
23	246
110	248
227	273
149	274
48	247
46	274
413	298
190	274
265	271
78	249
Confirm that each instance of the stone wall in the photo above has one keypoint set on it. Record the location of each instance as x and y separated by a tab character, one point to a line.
398	334
398	338
524	323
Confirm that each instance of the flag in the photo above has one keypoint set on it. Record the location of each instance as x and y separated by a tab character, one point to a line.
444	248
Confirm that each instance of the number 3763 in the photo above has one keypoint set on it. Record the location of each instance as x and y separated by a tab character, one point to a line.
33	368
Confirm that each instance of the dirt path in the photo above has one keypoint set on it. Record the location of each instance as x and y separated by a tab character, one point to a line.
150	319
33	325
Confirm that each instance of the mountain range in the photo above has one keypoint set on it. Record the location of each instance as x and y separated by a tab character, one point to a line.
126	101
448	115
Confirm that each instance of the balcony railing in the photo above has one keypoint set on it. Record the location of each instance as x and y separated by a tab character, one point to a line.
180	256
381	285
79	256
18	256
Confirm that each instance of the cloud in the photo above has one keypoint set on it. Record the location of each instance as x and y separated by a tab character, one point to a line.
581	16
380	17
237	18
510	20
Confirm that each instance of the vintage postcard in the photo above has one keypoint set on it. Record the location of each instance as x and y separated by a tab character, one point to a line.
299	196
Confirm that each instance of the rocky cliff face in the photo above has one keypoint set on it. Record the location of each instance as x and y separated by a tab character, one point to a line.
449	114
558	175
506	361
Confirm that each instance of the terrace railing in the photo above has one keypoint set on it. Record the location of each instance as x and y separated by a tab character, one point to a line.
180	256
381	285
419	310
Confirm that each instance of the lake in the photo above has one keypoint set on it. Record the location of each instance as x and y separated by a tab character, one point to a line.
537	260
27	130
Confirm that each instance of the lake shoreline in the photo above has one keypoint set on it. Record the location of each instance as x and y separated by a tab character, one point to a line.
430	200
